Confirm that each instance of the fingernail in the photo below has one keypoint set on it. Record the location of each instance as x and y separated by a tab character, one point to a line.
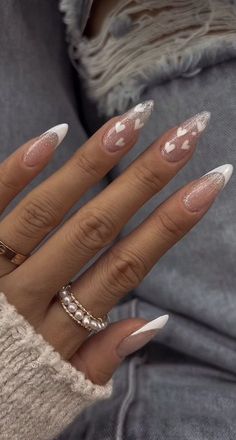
45	145
141	336
184	138
125	129
204	191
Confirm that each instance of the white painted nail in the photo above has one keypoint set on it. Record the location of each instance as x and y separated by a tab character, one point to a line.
60	130
155	324
45	144
226	170
141	337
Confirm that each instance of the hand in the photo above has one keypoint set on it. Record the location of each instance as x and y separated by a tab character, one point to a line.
32	287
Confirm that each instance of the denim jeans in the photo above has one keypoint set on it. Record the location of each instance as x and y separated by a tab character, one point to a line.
183	384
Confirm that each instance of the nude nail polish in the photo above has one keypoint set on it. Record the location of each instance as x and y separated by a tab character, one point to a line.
141	336
125	128
203	192
45	145
184	138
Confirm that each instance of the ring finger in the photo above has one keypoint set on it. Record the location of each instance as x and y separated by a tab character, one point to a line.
125	265
16	171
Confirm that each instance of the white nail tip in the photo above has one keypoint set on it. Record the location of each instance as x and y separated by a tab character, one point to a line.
200	120
205	116
186	145
226	170
155	324
60	130
181	131
142	106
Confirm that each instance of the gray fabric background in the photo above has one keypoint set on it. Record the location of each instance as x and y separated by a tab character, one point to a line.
186	391
39	87
182	386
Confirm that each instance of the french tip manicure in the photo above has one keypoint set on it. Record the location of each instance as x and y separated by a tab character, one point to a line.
155	324
60	130
203	192
140	337
226	170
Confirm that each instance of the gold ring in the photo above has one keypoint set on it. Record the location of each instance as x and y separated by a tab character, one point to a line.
12	255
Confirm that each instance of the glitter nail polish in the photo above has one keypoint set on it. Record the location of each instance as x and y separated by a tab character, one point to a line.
124	130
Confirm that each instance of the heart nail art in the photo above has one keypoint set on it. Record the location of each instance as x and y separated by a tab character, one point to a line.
181	131
186	145
138	124
169	147
120	142
119	127
128	124
200	125
184	138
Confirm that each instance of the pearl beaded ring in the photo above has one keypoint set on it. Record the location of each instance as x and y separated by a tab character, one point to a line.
76	311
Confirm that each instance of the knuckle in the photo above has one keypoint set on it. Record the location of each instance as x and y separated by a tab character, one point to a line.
126	270
169	227
7	182
39	214
93	231
149	178
86	164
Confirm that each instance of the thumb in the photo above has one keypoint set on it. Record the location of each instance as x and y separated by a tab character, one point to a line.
101	354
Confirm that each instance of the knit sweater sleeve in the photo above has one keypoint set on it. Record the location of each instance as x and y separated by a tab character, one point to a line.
40	392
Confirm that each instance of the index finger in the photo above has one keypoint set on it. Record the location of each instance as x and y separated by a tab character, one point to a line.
20	168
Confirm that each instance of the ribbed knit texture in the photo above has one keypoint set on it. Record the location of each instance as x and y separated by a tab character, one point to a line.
40	392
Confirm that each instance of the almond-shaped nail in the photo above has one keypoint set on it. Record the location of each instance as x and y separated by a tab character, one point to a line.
125	128
203	192
184	138
142	336
45	144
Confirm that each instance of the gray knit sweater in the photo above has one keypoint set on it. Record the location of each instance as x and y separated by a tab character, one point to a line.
40	392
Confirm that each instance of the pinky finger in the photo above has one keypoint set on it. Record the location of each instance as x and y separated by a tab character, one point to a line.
102	354
17	170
